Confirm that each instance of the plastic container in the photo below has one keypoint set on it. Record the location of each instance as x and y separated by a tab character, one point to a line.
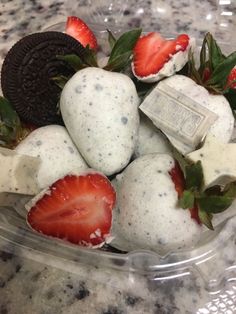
167	17
213	260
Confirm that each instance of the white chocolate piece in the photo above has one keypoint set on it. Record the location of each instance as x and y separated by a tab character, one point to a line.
218	161
223	127
177	115
19	173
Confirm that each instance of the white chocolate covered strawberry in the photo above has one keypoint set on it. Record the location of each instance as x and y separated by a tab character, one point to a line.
187	107
147	215
100	111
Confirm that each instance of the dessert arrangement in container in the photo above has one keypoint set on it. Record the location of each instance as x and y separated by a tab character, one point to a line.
124	156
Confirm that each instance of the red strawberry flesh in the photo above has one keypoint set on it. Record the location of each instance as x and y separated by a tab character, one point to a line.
231	81
79	30
177	177
151	52
194	214
77	209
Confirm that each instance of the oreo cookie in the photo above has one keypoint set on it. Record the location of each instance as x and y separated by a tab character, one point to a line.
28	71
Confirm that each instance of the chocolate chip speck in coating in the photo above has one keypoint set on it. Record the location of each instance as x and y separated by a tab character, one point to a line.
27	74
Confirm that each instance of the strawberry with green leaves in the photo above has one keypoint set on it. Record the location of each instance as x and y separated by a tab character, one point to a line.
204	203
147	215
217	72
207	85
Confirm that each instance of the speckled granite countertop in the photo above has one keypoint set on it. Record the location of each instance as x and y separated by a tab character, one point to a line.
34	286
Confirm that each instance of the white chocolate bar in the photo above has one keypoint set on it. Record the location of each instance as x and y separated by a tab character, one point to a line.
18	172
178	116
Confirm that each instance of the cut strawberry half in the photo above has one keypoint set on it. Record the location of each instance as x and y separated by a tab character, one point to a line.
78	29
76	208
152	51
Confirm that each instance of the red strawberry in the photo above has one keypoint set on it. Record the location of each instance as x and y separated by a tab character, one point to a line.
78	29
152	51
206	74
194	214
177	177
232	78
76	208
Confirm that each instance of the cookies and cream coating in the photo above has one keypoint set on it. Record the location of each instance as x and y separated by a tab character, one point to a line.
100	111
59	155
147	215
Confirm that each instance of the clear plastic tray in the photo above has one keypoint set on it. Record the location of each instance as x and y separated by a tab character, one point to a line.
165	16
216	253
214	259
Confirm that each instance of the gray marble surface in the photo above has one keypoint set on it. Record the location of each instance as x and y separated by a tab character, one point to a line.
32	284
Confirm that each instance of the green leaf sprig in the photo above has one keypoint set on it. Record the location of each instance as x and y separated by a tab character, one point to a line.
214	69
122	50
11	130
206	202
119	59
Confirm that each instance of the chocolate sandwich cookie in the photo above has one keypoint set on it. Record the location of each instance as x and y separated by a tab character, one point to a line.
28	71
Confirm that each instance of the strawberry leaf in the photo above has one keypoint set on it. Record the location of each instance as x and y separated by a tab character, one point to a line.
203	58
213	190
214	68
203	205
119	63
73	60
221	72
124	46
89	57
186	200
230	190
205	218
60	80
111	39
194	176
10	125
214	203
231	97
215	54
192	70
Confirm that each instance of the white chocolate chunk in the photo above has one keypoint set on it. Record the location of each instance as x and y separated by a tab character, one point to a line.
18	172
185	119
222	128
218	161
